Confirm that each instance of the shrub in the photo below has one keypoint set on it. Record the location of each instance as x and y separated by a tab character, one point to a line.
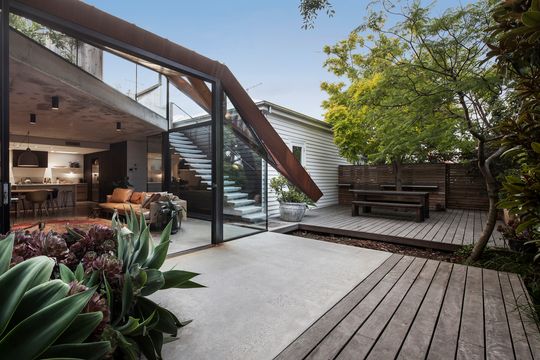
122	265
45	318
287	192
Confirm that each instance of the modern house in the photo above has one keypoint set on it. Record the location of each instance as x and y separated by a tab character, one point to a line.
71	135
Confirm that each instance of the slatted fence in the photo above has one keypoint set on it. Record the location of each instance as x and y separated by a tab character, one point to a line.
459	186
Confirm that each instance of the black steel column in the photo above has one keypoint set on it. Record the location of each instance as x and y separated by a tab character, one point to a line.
218	112
4	114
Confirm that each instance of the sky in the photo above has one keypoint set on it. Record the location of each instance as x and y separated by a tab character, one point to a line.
262	42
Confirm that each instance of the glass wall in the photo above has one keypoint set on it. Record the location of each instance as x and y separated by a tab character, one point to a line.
244	179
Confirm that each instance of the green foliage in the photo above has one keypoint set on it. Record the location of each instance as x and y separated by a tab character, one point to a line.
415	91
287	192
39	318
309	9
516	46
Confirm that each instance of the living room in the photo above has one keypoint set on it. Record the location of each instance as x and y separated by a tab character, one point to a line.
83	146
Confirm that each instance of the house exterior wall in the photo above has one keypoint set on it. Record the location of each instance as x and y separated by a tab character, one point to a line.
320	155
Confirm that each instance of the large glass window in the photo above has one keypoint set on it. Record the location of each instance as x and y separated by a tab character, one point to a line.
244	179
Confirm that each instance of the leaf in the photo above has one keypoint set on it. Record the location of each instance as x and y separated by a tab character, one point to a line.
142	248
88	351
536	147
129	326
127	295
531	18
154	282
43	327
6	251
175	278
38	298
81	328
156	260
17	280
189	285
66	274
79	273
147	347
93	279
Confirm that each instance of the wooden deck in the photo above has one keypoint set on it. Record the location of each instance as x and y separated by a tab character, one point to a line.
412	308
445	230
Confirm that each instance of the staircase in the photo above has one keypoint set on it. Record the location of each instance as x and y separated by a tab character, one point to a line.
236	202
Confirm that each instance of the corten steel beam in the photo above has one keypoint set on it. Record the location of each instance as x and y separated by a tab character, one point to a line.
109	32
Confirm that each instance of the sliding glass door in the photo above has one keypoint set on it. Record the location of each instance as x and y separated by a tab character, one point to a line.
4	117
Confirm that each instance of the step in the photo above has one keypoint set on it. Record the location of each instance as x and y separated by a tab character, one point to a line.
178	136
180	142
240	202
255	217
235	196
181	146
242	211
230	189
228	182
188	157
200	166
198	161
188	152
203	171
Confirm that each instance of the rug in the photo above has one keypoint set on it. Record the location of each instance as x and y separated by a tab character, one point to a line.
59	225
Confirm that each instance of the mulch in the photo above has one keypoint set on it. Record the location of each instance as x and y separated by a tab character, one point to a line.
383	246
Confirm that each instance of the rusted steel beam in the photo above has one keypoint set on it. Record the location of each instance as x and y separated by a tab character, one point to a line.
107	31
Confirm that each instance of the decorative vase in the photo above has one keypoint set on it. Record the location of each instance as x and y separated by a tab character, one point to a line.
292	212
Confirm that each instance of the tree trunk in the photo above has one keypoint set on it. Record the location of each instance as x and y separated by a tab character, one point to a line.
397	166
492	190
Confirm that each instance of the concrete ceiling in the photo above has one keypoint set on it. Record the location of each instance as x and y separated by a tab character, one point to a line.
89	108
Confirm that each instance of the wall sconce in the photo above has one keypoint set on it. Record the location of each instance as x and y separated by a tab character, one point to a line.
118	126
33	119
55	103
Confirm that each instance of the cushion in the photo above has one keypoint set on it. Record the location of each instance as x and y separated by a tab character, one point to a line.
120	195
137	197
150	198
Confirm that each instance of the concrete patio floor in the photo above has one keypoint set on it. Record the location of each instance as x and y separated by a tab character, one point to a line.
262	292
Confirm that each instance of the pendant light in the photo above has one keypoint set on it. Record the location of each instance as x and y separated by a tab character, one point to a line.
28	158
55	103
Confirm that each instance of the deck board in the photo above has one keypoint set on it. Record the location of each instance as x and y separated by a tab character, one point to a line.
411	308
446	230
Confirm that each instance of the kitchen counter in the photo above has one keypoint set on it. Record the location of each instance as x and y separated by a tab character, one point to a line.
73	187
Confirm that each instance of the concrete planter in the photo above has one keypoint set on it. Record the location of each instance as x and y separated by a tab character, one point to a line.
293	212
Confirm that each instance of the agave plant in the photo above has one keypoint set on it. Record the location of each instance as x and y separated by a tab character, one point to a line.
137	324
40	317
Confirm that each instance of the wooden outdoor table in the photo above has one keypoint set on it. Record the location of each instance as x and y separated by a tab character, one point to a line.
410	187
421	196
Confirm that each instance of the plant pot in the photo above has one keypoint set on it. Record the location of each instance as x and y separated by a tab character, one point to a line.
293	212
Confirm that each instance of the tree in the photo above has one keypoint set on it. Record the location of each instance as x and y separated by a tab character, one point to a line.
439	62
516	47
309	9
376	118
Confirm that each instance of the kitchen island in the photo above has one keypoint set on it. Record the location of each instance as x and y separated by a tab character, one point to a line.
73	191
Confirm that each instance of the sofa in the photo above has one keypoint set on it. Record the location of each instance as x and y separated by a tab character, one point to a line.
147	203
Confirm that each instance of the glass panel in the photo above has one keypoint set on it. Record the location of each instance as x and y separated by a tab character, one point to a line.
191	168
297	152
244	178
154	163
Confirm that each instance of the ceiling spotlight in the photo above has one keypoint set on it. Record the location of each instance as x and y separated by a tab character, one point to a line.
33	119
55	103
118	126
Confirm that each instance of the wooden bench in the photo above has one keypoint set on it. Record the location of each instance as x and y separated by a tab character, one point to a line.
410	187
366	207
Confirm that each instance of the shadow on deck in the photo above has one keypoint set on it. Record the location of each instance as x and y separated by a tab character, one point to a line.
443	230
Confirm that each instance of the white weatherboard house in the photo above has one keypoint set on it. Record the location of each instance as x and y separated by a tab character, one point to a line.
312	142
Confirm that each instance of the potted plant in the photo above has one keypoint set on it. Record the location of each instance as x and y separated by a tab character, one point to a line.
292	202
170	212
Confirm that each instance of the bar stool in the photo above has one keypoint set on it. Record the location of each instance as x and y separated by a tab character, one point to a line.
39	198
15	203
67	197
53	199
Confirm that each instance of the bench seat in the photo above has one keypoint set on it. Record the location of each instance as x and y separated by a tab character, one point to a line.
366	207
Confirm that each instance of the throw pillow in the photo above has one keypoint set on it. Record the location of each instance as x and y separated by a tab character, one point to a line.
137	197
150	199
120	195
